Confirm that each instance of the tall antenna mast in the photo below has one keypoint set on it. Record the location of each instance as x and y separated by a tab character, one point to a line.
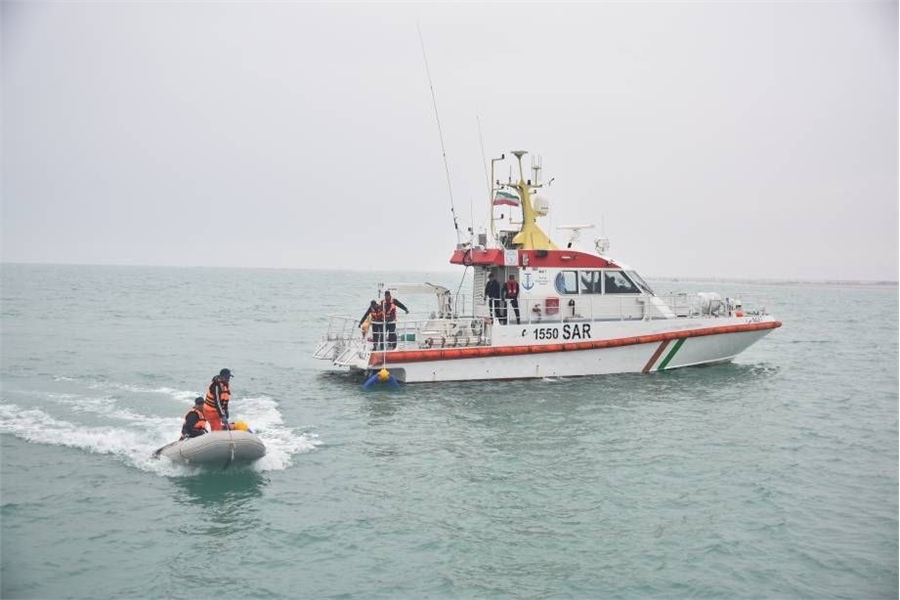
440	133
484	164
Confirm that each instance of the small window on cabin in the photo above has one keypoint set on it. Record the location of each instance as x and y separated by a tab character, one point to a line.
591	281
617	283
567	282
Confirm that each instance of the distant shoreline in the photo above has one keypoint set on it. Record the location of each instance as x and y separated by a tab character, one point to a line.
764	281
751	280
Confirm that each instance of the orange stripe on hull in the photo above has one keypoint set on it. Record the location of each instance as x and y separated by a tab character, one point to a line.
408	356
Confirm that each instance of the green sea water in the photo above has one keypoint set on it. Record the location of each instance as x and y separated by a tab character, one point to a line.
775	476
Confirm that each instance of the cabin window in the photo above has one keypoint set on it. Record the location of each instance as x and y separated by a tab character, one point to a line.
618	283
637	279
591	282
567	282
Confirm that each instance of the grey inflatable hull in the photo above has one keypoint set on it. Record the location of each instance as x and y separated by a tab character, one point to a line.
215	449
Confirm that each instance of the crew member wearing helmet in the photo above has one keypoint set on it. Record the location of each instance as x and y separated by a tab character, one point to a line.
194	421
215	407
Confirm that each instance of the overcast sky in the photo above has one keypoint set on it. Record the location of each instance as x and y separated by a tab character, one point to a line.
731	139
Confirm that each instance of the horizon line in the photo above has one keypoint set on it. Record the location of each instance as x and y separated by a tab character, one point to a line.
670	278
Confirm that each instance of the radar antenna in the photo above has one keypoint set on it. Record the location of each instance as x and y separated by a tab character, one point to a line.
576	232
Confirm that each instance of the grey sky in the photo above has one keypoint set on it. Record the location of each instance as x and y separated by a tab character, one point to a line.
710	139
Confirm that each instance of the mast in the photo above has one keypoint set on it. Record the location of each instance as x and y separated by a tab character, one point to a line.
440	135
530	236
491	190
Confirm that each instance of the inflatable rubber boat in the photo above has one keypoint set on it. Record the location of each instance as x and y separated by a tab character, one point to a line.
215	449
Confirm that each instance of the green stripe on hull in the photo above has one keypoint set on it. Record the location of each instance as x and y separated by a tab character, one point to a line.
671	354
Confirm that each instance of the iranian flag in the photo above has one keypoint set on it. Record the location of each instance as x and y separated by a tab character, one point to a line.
505	198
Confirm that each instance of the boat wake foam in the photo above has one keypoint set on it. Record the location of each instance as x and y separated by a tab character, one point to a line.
132	437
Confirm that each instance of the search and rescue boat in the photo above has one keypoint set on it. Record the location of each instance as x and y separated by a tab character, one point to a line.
577	312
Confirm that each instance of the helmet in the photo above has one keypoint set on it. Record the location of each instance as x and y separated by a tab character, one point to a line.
225	373
198	400
240	425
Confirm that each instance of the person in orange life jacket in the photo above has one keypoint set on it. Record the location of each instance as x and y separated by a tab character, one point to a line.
215	406
492	293
389	305
375	314
194	421
511	292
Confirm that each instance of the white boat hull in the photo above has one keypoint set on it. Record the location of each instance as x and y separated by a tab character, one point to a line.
216	449
612	349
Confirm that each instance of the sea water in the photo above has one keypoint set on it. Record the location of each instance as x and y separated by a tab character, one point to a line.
774	476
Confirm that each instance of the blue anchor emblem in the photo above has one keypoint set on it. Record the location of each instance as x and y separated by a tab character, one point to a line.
527	283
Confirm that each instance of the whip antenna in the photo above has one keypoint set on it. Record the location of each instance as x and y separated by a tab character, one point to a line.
484	162
440	133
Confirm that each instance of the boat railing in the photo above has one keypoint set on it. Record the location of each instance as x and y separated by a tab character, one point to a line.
442	333
629	307
344	341
344	338
338	336
711	304
554	309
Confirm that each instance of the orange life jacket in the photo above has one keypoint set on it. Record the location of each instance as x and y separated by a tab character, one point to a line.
224	393
200	425
376	315
390	311
512	288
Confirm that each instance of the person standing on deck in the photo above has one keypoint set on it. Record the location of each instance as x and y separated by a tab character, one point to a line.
215	406
511	291
389	305
375	315
492	293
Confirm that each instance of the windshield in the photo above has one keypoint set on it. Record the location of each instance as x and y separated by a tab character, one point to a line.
640	282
